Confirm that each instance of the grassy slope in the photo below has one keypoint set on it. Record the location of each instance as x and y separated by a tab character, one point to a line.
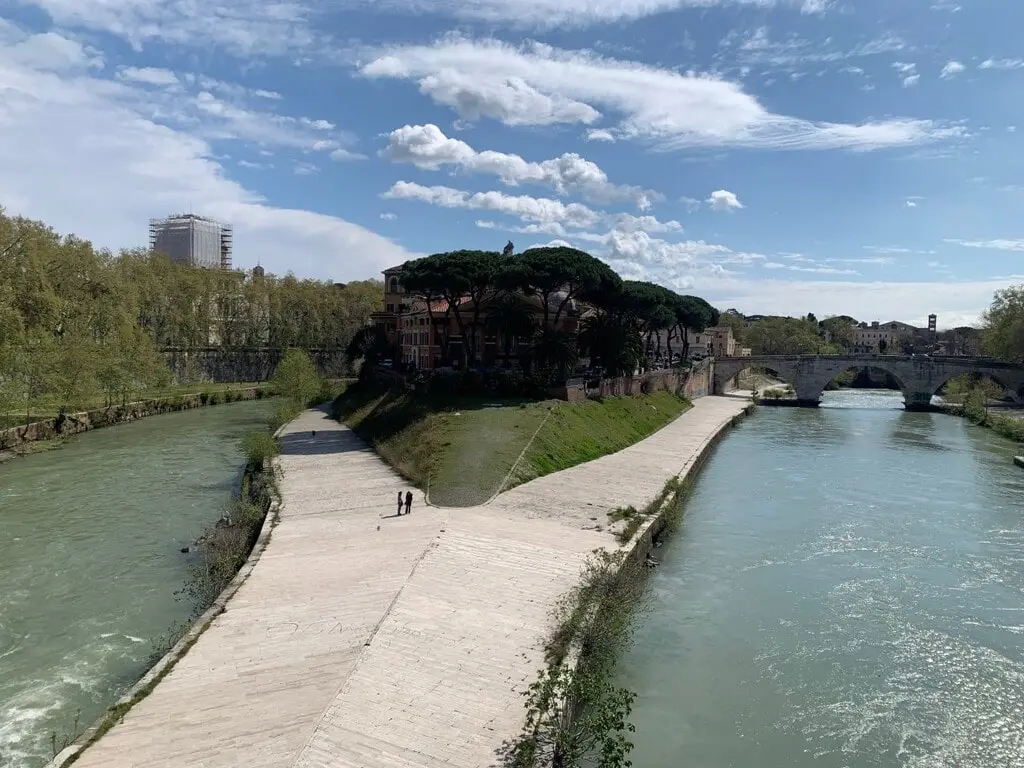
463	448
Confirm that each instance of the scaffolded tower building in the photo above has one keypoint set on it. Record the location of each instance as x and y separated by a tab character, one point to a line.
194	240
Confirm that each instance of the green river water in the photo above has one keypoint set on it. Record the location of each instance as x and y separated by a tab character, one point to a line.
89	562
846	591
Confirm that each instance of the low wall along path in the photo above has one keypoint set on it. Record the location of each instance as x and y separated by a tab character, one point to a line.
366	640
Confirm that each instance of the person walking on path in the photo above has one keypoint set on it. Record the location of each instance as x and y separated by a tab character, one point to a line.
399	503
408	502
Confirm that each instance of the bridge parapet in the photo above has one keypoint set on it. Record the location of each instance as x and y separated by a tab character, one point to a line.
919	377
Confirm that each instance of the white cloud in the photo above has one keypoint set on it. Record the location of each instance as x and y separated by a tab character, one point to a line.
992	245
48	51
426	146
509	99
952	69
305	169
1002	64
318	125
344	155
692	203
661	106
388	216
886	249
84	155
599	134
552	13
723	201
911	203
242	27
148	75
539	209
908	73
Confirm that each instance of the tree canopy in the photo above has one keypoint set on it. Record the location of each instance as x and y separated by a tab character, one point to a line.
1003	325
76	321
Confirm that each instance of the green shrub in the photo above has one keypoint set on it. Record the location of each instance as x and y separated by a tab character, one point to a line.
259	446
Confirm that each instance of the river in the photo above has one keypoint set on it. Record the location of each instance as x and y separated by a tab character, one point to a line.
90	539
846	591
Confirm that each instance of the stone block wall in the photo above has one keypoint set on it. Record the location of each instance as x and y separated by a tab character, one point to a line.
75	423
697	382
228	364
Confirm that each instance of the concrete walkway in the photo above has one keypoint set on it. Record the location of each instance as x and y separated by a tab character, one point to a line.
366	640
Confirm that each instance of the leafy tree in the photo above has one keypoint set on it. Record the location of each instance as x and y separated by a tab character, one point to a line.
296	377
693	314
784	336
558	271
370	345
1003	325
839	329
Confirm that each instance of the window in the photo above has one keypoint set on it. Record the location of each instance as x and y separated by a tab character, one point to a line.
391	307
393	285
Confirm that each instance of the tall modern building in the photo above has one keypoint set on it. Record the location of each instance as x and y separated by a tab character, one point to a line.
193	240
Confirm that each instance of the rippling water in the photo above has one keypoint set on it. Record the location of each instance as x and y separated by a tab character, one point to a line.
89	562
847	590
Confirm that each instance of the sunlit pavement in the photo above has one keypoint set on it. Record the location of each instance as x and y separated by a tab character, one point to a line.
366	639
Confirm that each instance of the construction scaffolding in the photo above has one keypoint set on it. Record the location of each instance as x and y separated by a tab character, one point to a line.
197	241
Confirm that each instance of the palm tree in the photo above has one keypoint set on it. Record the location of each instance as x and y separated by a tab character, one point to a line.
511	317
555	351
613	343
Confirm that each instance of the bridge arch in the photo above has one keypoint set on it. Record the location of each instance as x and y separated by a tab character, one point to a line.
1006	384
812	388
729	370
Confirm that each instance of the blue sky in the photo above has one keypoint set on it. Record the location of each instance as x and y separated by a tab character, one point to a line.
834	156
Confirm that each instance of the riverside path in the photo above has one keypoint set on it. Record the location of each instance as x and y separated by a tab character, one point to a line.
366	640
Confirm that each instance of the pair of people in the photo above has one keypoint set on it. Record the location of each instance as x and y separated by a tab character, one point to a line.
408	502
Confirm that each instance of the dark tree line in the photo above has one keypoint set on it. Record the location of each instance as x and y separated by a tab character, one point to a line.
530	295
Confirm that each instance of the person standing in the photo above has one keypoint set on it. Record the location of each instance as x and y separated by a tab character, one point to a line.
399	503
408	502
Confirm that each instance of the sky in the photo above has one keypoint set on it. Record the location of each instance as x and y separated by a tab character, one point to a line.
858	157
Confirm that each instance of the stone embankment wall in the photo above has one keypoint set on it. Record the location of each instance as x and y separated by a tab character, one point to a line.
75	423
694	383
227	364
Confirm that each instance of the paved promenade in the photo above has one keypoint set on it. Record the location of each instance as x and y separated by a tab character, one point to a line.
366	640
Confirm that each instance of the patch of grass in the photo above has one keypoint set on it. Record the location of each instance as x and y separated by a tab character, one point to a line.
463	448
581	432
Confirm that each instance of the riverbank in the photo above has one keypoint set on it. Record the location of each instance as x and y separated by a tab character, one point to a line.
90	559
17	441
462	451
364	638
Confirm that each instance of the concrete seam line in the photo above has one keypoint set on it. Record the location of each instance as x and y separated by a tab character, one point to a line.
521	454
373	633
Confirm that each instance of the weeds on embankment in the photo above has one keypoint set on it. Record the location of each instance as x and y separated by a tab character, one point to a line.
973	409
576	714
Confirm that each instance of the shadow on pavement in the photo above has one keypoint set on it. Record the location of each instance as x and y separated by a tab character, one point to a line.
326	440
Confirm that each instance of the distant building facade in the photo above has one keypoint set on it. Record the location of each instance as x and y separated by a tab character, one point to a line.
195	241
868	338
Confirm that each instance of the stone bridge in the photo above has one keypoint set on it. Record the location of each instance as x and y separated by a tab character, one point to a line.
919	376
